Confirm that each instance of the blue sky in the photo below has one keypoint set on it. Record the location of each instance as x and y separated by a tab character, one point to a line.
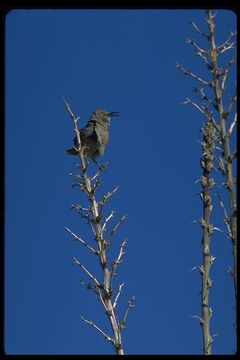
118	60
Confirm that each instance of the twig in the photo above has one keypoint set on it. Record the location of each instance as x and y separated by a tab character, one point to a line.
226	43
117	296
130	306
225	74
203	111
80	149
107	219
230	129
107	196
76	176
96	175
82	241
198	318
225	47
189	101
231	103
198	49
188	72
198	30
70	110
123	218
87	272
117	261
88	286
203	96
226	218
80	208
106	337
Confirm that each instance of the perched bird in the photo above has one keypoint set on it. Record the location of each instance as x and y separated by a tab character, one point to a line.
95	134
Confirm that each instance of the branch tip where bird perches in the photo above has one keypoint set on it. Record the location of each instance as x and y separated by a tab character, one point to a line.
98	223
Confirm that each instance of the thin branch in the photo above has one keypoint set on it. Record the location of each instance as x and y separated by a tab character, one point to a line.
76	176
195	77
203	110
96	175
87	272
192	42
226	43
107	220
89	220
96	185
80	208
198	50
117	261
225	74
82	241
107	196
80	149
226	217
227	48
89	322
102	299
203	96
88	286
123	218
70	110
117	296
221	164
224	47
189	101
231	103
198	318
198	30
130	306
231	127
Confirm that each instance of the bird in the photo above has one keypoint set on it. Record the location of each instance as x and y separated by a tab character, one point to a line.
95	135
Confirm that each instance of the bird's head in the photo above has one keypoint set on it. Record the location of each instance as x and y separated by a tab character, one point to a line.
103	116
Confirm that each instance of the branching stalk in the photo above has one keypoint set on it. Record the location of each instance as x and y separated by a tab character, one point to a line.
218	90
217	110
93	215
208	146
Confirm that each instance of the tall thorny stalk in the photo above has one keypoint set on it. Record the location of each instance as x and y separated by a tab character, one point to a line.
226	160
93	214
208	147
220	120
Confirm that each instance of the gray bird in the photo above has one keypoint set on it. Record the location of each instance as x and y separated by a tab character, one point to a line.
94	135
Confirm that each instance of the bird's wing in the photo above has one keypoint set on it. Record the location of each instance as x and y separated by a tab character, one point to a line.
99	137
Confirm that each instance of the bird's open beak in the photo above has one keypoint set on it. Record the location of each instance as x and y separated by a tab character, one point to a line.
113	113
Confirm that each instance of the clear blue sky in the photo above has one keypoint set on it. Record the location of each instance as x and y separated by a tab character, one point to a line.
118	60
